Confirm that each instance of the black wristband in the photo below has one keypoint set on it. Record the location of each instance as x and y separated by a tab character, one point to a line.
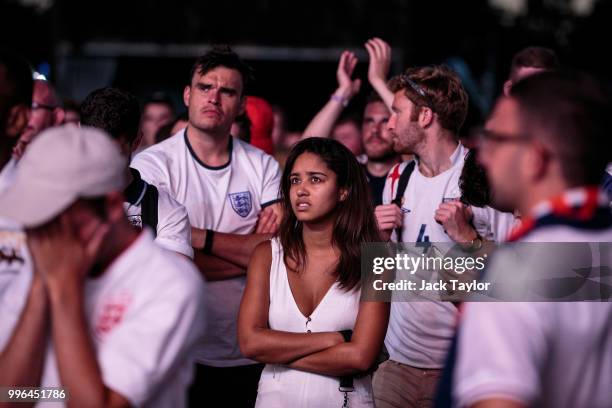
208	242
346	334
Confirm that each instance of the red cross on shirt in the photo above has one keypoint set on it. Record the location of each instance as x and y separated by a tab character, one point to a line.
394	176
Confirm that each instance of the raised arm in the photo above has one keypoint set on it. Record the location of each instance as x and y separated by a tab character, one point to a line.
323	122
359	354
259	342
380	61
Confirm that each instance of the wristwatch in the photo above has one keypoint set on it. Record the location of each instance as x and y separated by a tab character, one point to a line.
473	245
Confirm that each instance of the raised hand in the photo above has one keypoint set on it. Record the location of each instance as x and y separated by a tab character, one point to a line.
378	70
380	60
347	87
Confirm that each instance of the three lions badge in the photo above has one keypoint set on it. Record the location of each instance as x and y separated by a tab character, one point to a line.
241	203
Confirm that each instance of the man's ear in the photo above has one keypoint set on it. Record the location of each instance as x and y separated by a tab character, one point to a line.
17	120
426	116
507	87
537	161
186	95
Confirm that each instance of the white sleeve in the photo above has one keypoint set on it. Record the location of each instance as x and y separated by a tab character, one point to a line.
501	348
504	223
151	169
156	339
271	181
173	228
491	224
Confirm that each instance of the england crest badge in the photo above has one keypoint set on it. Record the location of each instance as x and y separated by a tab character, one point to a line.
241	203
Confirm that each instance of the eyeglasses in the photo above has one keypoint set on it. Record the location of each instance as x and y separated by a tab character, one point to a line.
419	90
36	105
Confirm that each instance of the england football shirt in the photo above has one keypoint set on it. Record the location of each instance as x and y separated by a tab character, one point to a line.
226	198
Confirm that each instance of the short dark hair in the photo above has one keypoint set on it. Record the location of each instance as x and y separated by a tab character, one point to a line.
439	88
533	57
113	110
16	83
572	112
222	56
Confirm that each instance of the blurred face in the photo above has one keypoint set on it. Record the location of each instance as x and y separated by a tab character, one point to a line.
377	140
403	125
155	116
45	112
314	191
214	99
349	135
502	154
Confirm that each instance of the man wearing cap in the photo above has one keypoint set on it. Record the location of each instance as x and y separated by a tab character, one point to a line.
120	314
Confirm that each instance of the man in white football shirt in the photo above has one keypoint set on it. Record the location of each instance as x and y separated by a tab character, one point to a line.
117	112
544	149
429	107
230	190
120	315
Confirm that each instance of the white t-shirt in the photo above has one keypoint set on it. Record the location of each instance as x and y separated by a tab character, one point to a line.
145	316
7	174
173	228
227	199
15	275
541	354
419	333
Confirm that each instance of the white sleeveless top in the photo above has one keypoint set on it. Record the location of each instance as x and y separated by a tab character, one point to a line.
283	387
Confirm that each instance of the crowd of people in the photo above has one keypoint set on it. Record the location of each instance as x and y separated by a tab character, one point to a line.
213	259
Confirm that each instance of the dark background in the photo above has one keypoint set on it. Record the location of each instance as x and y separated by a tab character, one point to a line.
145	46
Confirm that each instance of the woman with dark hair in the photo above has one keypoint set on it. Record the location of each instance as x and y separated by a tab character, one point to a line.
301	311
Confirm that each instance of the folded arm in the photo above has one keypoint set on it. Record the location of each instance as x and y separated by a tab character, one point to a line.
259	342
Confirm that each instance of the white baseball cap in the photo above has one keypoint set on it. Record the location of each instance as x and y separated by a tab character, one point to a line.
60	166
